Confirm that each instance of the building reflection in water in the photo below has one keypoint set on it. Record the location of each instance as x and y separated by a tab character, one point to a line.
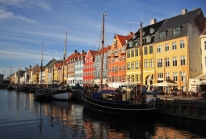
68	119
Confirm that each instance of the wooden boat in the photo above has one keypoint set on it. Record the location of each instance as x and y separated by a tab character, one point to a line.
61	93
42	94
76	92
123	102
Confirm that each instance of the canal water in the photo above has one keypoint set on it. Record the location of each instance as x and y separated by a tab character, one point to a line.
22	117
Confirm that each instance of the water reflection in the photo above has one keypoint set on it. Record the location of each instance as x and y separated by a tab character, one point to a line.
23	117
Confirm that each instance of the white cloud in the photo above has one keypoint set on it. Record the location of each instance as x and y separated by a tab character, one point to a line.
4	15
43	4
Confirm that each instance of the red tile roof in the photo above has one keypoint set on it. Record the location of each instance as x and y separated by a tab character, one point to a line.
105	50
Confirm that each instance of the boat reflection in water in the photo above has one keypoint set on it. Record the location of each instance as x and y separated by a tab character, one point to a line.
23	117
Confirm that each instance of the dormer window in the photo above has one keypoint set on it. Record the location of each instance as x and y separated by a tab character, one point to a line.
130	43
134	36
115	43
163	34
148	39
151	30
177	30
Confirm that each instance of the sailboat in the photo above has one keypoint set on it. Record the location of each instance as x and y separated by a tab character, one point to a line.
115	101
41	93
62	92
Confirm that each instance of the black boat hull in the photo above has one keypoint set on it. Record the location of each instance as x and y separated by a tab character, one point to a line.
133	110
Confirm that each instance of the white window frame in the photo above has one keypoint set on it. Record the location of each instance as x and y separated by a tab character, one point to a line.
182	44
167	48
182	60
174	46
175	76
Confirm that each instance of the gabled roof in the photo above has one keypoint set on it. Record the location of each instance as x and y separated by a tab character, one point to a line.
58	65
70	57
92	52
102	51
122	39
179	20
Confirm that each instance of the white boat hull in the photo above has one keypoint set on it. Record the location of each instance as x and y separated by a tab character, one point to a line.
62	96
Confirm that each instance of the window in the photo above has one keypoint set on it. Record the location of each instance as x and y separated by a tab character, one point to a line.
146	63
120	78
175	76
160	75
174	61
167	76
151	30
145	51
130	44
123	58
132	53
115	43
159	48
119	68
174	46
167	47
137	78
182	60
182	76
128	66
132	65
148	39
167	62
150	49
163	34
136	52
132	78
205	61
137	65
176	30
182	44
151	63
205	45
159	63
128	54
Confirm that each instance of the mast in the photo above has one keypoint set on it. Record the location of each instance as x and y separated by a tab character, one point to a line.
10	75
141	60
102	56
41	62
65	45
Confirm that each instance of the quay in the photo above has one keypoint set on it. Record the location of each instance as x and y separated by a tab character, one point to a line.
186	107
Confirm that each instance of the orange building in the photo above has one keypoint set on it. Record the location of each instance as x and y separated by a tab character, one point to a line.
117	60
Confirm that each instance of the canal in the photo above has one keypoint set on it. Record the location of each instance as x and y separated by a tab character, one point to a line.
22	117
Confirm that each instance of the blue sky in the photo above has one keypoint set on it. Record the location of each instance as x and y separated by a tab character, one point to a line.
25	24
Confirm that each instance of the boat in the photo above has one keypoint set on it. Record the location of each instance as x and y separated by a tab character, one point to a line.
77	92
125	101
63	92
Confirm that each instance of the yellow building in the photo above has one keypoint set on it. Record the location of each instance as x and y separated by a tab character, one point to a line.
133	58
177	49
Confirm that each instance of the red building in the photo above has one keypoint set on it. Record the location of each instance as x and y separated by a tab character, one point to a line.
88	70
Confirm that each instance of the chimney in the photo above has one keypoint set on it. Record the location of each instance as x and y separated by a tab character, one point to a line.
82	51
184	11
130	33
153	21
75	51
